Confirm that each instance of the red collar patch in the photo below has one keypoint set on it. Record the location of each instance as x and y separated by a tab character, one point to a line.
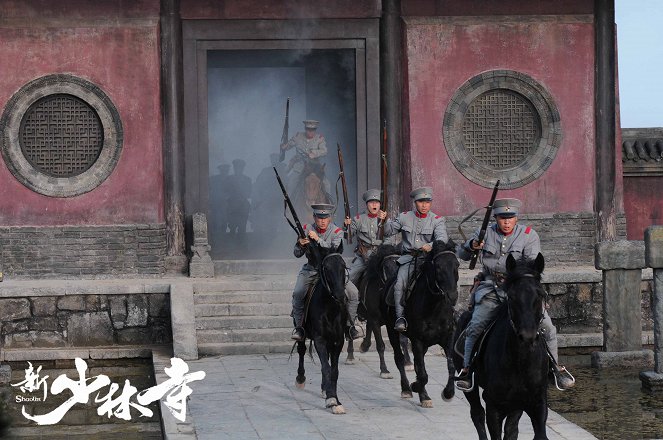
371	215
420	215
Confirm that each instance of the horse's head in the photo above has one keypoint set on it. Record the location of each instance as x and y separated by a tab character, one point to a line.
525	296
444	273
383	263
332	271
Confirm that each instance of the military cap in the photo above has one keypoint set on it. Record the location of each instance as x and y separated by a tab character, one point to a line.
506	207
372	194
311	123
322	210
423	193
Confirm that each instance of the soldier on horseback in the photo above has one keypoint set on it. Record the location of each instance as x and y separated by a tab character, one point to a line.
327	235
365	227
505	237
310	147
419	228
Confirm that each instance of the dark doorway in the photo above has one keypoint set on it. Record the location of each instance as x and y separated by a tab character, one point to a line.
246	99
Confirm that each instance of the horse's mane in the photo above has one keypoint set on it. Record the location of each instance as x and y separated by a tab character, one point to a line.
375	260
441	246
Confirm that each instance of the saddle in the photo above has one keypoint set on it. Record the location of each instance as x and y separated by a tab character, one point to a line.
408	288
459	346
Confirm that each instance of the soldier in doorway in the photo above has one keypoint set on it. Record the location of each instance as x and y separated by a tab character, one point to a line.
505	237
307	183
365	227
327	235
267	197
419	228
239	191
218	185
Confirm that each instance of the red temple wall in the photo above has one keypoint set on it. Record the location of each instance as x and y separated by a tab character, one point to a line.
442	54
644	205
279	10
114	45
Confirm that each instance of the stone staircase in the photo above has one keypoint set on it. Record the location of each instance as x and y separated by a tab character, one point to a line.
245	313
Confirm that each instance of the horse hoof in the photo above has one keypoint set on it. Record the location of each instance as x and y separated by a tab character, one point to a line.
406	394
426	403
386	376
331	402
409	366
349	361
447	395
364	348
338	409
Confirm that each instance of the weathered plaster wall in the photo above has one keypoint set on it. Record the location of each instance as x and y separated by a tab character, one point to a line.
115	45
558	52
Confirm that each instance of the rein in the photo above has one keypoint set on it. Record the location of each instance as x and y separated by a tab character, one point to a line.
436	285
323	275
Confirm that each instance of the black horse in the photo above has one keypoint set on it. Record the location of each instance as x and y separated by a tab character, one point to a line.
430	313
325	322
380	273
512	362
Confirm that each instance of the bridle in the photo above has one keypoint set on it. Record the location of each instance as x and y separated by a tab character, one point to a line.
323	275
508	305
436	286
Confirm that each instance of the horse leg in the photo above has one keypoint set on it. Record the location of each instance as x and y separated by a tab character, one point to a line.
494	420
511	425
350	359
366	342
332	394
301	377
449	390
379	346
477	413
409	366
539	414
406	391
325	369
419	385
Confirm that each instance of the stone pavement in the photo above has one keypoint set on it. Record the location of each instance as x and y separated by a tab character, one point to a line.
254	397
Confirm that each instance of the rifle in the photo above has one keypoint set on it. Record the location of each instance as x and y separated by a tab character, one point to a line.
298	228
383	178
484	225
284	135
346	203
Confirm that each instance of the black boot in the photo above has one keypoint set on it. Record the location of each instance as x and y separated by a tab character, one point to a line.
401	324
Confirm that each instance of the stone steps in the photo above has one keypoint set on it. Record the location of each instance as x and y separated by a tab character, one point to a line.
242	322
243	309
257	335
246	313
247	296
233	348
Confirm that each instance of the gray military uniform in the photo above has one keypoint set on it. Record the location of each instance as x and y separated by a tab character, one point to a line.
365	228
308	150
416	231
523	242
330	238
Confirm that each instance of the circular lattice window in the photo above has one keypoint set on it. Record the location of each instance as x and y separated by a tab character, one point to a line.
62	136
502	125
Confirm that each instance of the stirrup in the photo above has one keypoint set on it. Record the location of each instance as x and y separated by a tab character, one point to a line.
400	328
562	371
465	383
